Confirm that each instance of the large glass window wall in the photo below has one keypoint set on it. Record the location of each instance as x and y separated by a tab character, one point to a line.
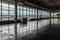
7	12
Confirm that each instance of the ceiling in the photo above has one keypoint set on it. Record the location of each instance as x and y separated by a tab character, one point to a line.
49	4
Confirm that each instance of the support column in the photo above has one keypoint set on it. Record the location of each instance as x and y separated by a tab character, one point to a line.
53	22
50	21
37	20
50	18
53	17
15	19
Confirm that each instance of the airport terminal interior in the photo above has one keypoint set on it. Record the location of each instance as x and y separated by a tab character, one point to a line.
29	19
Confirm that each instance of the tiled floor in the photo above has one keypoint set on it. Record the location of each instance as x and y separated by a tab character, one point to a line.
29	31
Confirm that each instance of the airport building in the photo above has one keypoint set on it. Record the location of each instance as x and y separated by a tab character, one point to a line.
29	19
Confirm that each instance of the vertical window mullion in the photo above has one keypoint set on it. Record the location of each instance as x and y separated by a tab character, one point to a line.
19	21
32	13
29	20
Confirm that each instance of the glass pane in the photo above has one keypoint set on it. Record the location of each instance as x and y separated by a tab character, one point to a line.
12	12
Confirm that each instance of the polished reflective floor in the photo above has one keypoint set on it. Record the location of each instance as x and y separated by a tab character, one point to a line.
29	30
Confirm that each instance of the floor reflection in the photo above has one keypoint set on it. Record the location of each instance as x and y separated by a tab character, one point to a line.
7	32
